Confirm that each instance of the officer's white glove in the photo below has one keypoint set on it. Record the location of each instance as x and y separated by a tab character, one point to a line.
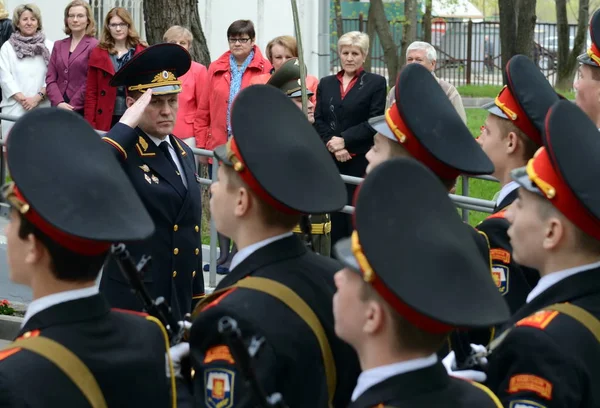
178	353
474	375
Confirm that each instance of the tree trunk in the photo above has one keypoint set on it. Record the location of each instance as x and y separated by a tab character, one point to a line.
517	24
339	22
427	21
567	61
382	26
409	28
167	13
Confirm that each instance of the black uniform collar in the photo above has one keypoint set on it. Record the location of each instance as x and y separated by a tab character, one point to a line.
404	387
73	311
285	248
567	290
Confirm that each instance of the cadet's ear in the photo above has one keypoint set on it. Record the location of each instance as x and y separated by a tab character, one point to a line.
374	316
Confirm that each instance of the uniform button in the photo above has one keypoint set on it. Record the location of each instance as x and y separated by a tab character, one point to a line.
193	274
197	251
196	228
175	251
27	335
174	273
175	227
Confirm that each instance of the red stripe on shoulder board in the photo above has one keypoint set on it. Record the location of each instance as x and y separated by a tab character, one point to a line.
499	214
7	353
133	312
218	299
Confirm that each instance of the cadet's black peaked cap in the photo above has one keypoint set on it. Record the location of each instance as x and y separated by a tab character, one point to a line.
279	155
157	67
410	244
426	124
565	170
287	79
592	56
525	99
69	184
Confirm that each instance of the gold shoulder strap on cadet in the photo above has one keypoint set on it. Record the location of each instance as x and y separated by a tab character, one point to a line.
299	306
68	363
581	315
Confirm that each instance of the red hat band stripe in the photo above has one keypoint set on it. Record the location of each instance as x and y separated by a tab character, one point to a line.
510	106
594	54
76	244
415	318
541	171
406	138
241	168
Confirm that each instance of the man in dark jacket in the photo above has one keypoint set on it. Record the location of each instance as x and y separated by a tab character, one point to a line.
163	171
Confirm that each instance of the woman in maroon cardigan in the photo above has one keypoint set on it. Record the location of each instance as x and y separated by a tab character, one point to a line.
68	66
104	104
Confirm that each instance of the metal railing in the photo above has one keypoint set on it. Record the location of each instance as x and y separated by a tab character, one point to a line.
461	201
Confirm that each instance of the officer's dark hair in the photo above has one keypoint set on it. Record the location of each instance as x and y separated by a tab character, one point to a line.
66	265
529	146
240	27
270	216
583	241
407	335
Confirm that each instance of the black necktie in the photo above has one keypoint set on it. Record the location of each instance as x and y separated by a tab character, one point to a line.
164	146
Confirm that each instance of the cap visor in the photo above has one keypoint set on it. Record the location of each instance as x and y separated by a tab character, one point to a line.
379	125
585	59
299	93
492	108
220	153
343	252
522	178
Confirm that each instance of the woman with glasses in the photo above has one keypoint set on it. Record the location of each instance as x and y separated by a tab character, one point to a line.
104	104
67	70
345	103
230	73
23	64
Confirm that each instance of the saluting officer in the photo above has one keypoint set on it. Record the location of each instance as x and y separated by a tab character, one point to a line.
551	355
163	171
412	274
70	200
587	83
287	79
511	135
274	169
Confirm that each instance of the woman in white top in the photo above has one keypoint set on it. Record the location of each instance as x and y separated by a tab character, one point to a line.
23	65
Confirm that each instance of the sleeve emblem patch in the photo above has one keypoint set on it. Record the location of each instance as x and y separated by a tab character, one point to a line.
218	384
533	383
501	255
218	353
500	276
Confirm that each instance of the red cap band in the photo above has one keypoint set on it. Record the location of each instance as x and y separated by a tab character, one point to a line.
81	246
506	102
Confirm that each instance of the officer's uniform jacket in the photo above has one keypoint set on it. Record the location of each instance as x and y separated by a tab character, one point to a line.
428	387
176	268
514	281
124	352
290	360
549	359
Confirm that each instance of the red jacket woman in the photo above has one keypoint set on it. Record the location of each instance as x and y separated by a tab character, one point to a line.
119	43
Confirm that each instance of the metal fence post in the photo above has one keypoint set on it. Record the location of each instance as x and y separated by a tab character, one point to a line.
469	52
465	192
212	274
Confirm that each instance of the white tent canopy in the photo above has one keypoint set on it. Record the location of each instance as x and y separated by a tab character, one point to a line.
460	9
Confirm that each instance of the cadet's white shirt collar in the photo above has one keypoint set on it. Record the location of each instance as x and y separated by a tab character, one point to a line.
369	378
47	302
250	249
553	278
506	190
